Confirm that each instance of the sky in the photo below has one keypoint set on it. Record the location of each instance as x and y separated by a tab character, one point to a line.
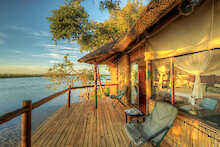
25	41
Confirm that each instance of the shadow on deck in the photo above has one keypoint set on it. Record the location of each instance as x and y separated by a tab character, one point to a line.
83	125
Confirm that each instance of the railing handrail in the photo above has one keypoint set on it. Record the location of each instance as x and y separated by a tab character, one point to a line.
11	115
90	86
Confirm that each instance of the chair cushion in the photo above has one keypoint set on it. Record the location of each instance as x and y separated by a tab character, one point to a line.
162	115
209	103
135	133
133	112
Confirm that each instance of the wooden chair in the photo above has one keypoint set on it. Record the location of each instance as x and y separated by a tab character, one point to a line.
155	126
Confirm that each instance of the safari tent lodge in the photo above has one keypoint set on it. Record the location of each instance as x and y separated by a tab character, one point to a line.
172	54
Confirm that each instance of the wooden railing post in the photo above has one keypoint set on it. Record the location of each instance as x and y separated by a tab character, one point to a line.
95	85
69	96
172	80
26	124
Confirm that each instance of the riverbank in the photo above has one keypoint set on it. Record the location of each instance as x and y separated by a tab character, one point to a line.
20	75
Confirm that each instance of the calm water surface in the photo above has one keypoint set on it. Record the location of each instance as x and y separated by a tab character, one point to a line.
14	90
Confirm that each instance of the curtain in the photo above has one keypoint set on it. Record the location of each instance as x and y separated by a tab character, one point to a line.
204	63
163	70
134	83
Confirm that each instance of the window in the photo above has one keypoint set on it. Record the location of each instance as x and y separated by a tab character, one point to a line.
197	85
196	82
161	87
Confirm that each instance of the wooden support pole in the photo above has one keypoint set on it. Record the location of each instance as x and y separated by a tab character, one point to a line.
69	96
99	79
148	83
128	66
117	77
26	124
172	80
95	85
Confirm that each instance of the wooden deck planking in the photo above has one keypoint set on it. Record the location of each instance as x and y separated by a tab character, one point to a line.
83	125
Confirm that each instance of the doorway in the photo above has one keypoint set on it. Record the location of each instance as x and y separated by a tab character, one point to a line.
138	85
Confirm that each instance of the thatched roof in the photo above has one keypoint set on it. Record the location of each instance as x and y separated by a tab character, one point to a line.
99	54
154	11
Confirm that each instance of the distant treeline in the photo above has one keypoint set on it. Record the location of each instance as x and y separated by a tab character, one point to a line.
34	75
20	75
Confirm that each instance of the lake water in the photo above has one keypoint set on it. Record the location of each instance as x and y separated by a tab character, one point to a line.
14	90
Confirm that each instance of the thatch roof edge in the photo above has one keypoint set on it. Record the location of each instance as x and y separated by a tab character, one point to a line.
105	49
153	12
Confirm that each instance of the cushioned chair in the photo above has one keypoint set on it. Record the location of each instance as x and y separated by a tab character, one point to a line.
207	107
122	93
155	126
209	104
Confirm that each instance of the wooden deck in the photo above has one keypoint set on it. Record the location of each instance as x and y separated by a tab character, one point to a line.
83	125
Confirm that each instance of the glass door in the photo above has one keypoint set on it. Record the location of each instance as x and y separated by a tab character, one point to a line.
134	84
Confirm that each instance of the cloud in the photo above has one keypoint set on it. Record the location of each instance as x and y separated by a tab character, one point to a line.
59	47
3	36
52	55
53	61
49	45
61	52
75	57
41	34
30	31
18	52
57	56
20	28
57	52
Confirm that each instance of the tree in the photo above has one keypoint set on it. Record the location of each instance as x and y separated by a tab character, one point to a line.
61	74
71	22
85	76
109	4
118	24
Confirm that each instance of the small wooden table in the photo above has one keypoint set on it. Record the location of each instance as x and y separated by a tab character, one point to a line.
133	113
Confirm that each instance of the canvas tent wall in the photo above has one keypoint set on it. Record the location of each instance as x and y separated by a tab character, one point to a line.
187	34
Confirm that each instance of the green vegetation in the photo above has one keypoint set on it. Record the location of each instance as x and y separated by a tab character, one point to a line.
61	74
71	22
85	76
109	4
107	91
20	75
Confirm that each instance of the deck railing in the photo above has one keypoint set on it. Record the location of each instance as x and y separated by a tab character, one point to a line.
28	106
